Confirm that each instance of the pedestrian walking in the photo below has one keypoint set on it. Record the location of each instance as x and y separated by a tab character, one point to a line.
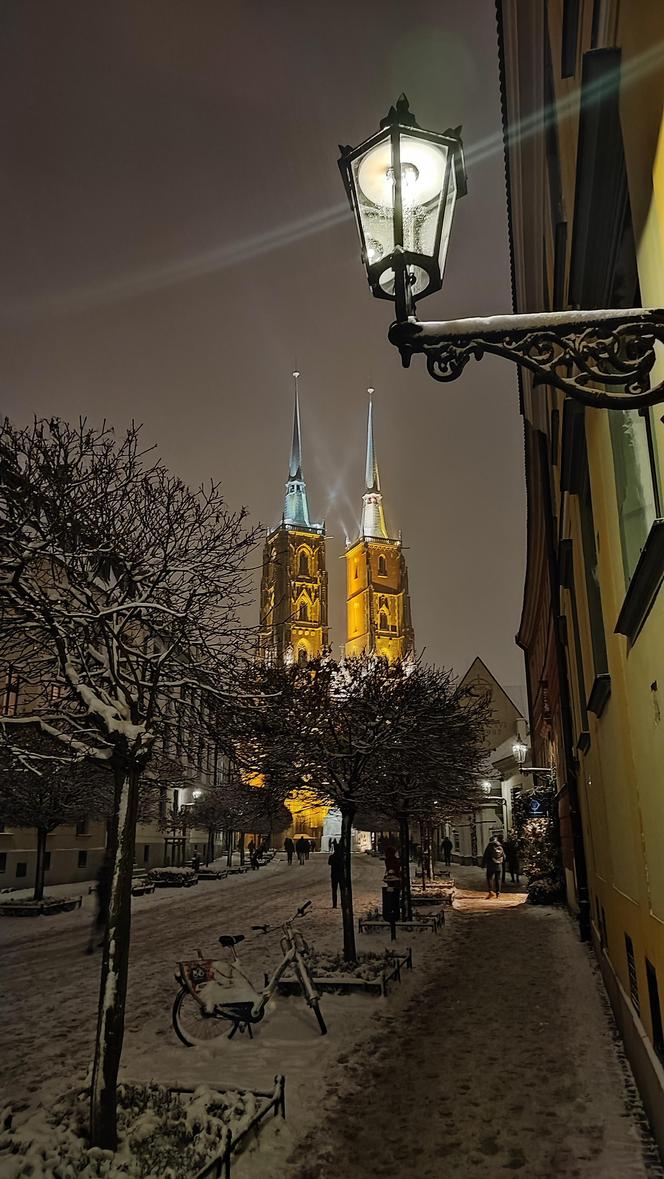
512	857
253	855
289	848
196	861
103	895
299	847
307	848
335	860
447	850
492	861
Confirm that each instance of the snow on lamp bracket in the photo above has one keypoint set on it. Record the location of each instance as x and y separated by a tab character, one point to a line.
402	185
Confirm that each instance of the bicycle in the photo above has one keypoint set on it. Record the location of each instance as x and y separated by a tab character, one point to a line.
215	992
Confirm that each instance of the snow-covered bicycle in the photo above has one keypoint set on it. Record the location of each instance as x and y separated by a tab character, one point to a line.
216	992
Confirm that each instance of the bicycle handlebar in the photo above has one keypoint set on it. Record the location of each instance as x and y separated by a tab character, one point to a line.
270	928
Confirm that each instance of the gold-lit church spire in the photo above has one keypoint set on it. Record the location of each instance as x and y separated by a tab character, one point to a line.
293	611
378	618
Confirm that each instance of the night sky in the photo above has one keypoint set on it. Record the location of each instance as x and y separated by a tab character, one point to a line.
174	241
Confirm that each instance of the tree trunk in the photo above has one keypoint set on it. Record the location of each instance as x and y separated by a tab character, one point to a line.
429	833
241	848
42	836
346	886
404	856
115	963
209	853
229	848
423	858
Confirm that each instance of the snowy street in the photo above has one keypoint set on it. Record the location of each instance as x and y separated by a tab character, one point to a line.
498	1044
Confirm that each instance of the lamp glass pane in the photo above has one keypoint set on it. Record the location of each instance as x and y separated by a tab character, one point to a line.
448	214
372	176
423	169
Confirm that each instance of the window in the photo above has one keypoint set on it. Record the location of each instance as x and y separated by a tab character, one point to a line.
596	617
302	655
10	693
570	38
21	868
82	859
304	564
631	972
382	621
3	861
382	566
635	489
82	827
146	854
47	861
304	612
655	1010
356	571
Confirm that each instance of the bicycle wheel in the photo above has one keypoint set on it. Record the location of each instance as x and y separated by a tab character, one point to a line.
192	1026
319	1016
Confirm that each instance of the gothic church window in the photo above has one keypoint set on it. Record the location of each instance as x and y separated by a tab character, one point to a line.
382	621
301	655
382	566
304	564
304	612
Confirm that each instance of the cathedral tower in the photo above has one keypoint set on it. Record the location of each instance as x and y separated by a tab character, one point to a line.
378	606
293	609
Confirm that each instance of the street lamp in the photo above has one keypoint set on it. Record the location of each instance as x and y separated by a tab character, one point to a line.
519	751
402	184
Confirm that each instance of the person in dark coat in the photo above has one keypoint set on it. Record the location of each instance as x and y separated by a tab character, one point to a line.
335	860
447	850
512	857
253	854
307	848
301	849
289	848
195	861
492	861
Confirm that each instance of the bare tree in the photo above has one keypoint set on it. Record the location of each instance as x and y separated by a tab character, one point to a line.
367	735
119	596
47	797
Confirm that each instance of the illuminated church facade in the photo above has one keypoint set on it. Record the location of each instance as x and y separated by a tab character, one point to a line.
294	599
378	617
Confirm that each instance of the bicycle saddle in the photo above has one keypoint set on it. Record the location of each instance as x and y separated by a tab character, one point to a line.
231	939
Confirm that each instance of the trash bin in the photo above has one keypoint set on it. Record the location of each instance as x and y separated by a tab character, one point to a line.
390	903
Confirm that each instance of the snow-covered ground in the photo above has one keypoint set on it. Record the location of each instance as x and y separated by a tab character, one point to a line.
495	1055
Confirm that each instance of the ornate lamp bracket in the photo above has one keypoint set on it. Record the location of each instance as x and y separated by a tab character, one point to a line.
601	358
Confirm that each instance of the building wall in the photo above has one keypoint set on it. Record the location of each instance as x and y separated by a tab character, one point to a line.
294	577
595	481
378	604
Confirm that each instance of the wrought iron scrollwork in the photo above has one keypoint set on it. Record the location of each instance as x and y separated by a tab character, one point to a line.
602	359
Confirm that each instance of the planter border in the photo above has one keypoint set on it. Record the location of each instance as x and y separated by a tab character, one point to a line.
434	922
332	984
220	1166
40	908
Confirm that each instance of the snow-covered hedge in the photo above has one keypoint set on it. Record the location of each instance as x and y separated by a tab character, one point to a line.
376	915
545	891
171	875
161	1133
369	966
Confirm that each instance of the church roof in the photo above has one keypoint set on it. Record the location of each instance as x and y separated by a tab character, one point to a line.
296	504
373	525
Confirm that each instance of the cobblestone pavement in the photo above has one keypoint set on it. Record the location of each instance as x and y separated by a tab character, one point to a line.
504	1059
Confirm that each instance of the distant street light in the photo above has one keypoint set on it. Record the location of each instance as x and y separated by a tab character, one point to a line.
403	184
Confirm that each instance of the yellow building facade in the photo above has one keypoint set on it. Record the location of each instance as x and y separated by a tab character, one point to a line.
586	195
378	617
